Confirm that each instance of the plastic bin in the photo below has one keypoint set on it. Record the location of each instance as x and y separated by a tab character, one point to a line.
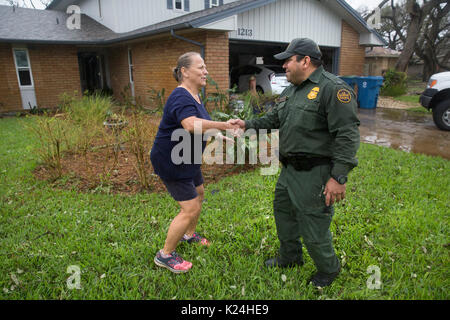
368	91
350	80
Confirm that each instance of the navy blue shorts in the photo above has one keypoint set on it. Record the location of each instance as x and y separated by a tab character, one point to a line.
184	190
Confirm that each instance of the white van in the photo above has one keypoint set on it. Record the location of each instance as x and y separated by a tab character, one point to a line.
437	98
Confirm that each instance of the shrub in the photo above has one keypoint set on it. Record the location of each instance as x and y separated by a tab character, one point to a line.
219	98
246	106
55	136
139	135
395	83
90	109
157	99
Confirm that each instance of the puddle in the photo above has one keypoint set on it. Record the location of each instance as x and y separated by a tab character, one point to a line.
402	130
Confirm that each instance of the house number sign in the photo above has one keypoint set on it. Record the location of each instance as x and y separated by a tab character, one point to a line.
245	32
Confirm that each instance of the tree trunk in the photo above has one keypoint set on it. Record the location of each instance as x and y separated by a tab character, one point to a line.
412	34
427	68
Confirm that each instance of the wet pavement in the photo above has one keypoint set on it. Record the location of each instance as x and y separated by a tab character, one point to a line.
408	131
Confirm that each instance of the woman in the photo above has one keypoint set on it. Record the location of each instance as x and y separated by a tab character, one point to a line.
183	181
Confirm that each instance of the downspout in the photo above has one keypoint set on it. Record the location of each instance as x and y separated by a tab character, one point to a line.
201	45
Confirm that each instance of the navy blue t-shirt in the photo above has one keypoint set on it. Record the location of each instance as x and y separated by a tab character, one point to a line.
179	106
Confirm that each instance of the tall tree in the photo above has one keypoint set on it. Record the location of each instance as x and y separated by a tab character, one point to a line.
416	17
433	45
420	28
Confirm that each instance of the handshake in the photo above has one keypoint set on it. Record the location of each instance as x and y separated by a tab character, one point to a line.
236	127
233	127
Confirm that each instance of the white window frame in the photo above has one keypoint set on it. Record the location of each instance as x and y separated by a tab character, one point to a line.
130	65
211	4
175	7
28	68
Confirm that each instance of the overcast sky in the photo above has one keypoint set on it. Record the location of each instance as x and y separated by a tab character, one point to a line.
371	4
354	3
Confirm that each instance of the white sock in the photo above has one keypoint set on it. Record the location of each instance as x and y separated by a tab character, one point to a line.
165	256
186	237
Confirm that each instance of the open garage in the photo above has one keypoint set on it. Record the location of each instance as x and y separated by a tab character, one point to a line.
260	54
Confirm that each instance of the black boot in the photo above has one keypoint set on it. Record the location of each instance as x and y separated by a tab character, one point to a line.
322	279
280	263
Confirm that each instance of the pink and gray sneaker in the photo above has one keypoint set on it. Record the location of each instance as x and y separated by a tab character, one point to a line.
196	238
173	262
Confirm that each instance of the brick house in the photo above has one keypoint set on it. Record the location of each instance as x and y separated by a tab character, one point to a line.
135	43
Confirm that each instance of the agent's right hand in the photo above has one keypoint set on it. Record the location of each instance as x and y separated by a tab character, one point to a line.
239	126
237	122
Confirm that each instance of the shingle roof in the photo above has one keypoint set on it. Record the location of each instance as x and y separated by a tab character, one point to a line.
30	25
49	26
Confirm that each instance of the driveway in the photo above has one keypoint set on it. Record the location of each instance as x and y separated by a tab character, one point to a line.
404	130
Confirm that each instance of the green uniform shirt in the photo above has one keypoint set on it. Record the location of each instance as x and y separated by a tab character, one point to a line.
318	118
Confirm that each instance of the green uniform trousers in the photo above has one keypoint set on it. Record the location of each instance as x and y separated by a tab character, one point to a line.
300	211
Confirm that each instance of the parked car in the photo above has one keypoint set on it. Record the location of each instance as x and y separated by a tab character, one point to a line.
269	78
437	98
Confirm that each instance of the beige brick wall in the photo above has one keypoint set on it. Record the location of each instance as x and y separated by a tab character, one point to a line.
9	86
217	58
118	68
154	59
352	55
55	71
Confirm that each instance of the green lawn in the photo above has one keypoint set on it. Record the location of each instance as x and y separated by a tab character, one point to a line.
395	218
408	98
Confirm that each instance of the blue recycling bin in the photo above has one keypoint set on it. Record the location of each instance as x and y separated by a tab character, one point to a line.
350	80
368	90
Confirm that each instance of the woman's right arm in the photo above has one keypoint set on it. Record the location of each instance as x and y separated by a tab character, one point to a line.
193	123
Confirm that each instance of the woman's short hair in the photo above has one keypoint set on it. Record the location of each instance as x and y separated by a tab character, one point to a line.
184	61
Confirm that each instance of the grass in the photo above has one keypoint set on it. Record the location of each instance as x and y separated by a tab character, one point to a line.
395	217
413	101
408	98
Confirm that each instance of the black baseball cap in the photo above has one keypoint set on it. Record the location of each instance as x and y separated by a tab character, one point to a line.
300	46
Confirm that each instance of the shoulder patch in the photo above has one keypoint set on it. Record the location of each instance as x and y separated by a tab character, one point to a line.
344	96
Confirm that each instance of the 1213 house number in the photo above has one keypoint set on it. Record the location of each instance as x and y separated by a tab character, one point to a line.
245	32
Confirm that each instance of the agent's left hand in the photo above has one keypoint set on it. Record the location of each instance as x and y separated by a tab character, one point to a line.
334	192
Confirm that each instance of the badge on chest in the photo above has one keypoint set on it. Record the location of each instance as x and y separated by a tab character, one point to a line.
313	93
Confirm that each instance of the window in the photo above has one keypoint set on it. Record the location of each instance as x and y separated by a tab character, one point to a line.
182	5
23	67
213	3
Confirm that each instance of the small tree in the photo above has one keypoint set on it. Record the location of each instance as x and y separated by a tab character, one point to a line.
394	83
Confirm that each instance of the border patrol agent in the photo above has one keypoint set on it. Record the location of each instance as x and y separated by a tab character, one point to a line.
319	137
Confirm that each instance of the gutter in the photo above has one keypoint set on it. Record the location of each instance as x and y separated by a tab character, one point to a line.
201	45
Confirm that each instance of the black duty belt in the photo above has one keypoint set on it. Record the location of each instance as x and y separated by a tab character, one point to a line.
304	163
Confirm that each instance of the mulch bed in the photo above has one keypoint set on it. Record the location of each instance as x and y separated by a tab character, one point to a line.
97	172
